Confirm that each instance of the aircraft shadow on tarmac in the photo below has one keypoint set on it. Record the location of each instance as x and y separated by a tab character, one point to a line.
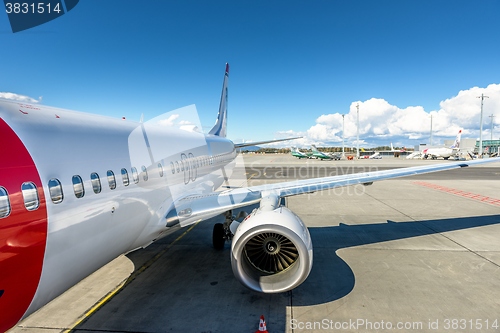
193	285
332	278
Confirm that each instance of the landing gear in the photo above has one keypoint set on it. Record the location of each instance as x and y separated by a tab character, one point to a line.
222	231
218	236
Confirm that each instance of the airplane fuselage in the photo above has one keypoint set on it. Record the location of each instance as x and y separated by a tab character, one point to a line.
440	152
77	190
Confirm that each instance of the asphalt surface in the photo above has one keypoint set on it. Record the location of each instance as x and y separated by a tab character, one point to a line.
404	255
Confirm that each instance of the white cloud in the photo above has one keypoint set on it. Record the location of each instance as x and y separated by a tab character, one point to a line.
17	97
169	121
381	123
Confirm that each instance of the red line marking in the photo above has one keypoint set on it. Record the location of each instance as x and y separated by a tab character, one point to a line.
469	195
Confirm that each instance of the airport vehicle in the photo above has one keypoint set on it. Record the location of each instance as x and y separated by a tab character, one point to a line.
444	152
297	153
77	190
336	156
320	155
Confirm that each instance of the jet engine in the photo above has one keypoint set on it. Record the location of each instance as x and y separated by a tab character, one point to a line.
271	251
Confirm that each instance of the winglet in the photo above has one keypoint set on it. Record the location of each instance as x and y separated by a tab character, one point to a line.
219	128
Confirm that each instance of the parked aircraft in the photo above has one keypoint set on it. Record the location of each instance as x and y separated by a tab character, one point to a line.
443	152
414	155
297	153
320	155
376	155
77	190
397	150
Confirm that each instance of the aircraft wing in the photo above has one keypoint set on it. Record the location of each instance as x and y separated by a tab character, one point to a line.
194	208
303	186
256	143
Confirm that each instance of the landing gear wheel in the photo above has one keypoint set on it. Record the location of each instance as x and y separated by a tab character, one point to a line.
218	234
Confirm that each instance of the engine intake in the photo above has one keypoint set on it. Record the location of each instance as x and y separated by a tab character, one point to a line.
271	251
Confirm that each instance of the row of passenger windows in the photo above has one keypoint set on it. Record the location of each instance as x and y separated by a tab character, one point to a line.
30	191
30	196
189	160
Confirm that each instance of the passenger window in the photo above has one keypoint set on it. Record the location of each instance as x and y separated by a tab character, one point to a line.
4	203
96	182
78	186
160	169
55	190
135	176
111	179
30	196
173	167
144	173
125	177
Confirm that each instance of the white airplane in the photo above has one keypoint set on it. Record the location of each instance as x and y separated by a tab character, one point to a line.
297	153
443	152
375	156
320	155
414	155
77	190
397	150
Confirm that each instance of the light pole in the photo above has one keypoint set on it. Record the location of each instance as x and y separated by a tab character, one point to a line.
343	137
357	131
492	116
431	133
481	127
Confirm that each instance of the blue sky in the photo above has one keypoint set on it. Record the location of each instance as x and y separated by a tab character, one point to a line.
291	62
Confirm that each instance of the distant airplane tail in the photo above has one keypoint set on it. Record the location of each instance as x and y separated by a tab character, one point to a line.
456	144
219	128
392	148
313	148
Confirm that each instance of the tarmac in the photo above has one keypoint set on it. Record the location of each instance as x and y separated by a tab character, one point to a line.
415	254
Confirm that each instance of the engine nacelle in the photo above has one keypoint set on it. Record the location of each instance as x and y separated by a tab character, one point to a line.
271	251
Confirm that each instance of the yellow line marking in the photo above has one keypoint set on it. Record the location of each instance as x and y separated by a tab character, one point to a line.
131	278
125	282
